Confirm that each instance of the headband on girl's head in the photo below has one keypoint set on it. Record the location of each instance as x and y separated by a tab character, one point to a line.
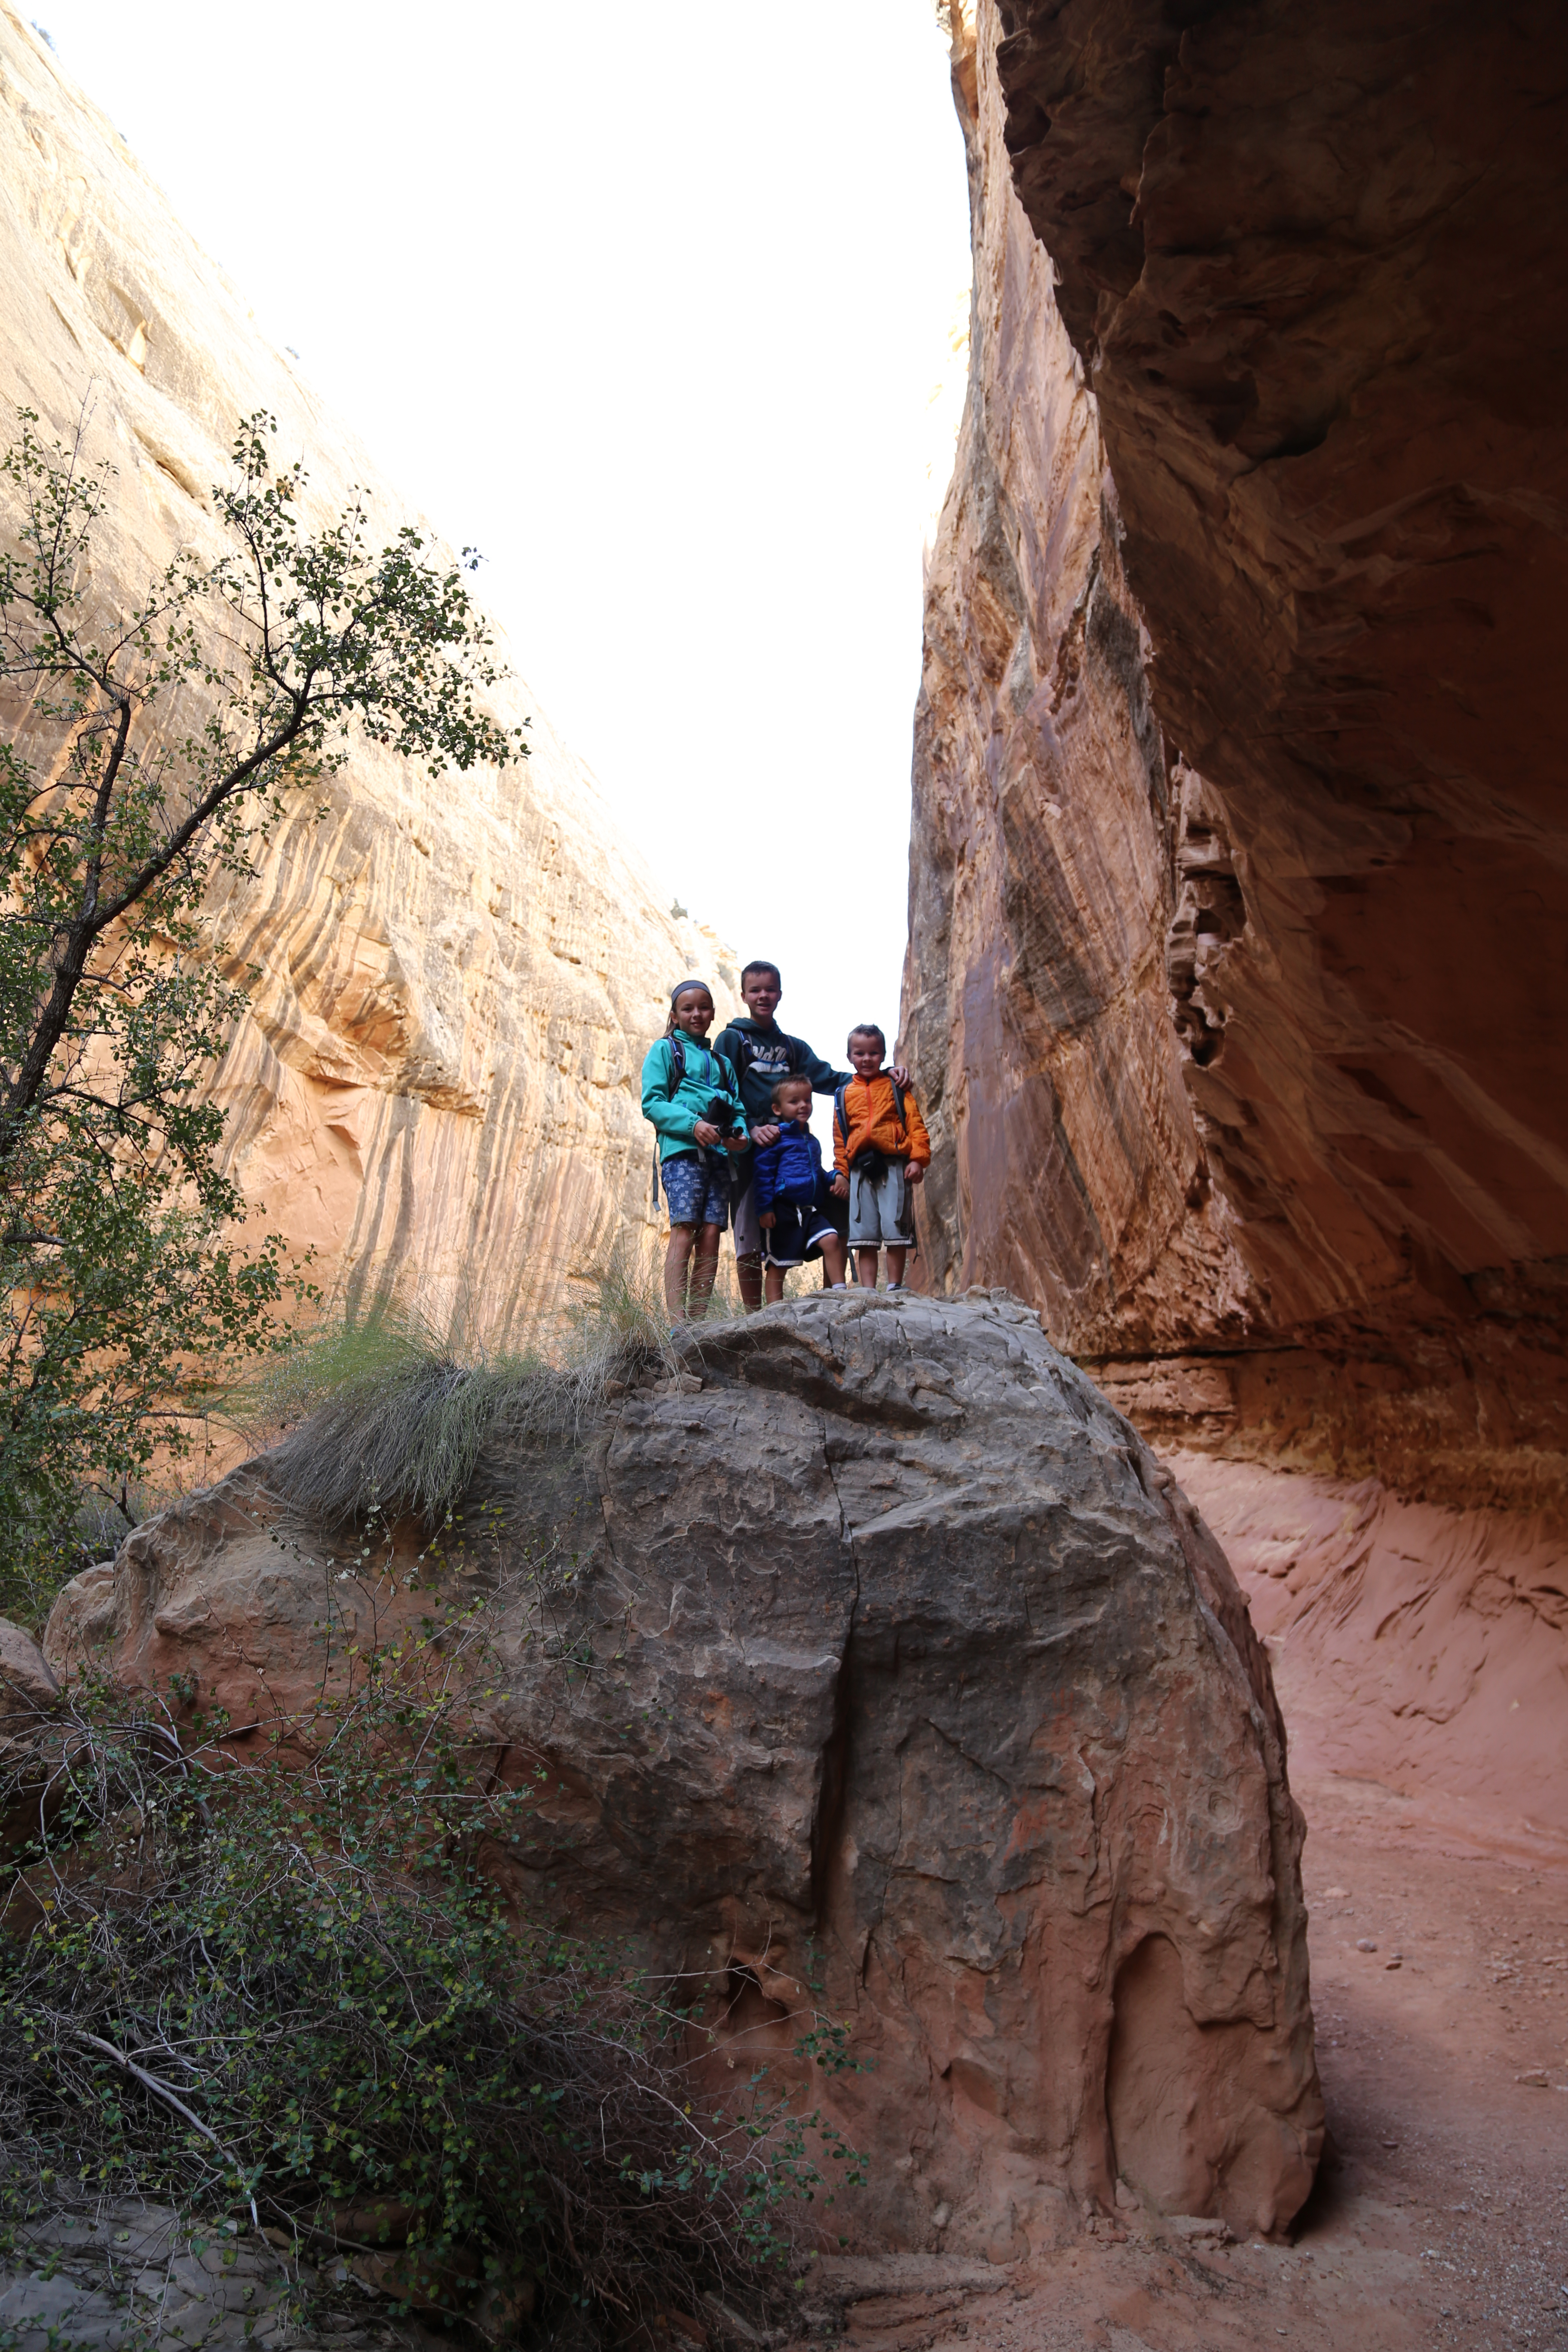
679	991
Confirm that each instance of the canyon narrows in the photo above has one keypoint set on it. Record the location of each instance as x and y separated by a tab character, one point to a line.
457	977
870	1657
1235	956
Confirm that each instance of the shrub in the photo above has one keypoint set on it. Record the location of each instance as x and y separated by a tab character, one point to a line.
260	1970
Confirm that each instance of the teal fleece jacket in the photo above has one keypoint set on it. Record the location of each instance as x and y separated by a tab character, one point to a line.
673	1105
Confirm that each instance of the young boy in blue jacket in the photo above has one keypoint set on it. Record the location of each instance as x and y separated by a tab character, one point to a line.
793	1188
761	1054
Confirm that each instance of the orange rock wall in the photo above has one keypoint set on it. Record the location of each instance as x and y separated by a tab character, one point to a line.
1236	884
1067	1162
439	1081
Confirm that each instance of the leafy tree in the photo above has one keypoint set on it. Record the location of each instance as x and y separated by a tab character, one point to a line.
166	736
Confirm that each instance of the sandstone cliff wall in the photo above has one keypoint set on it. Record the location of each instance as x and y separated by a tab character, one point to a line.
1235	978
438	1079
1236	891
1067	1162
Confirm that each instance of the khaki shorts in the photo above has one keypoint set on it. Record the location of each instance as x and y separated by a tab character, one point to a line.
880	1213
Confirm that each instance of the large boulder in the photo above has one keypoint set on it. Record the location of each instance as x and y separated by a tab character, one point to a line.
870	1652
30	1744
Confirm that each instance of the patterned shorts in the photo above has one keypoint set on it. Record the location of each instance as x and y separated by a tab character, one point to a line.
697	1192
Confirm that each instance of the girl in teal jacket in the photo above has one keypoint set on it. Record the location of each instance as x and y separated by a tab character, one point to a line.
691	1099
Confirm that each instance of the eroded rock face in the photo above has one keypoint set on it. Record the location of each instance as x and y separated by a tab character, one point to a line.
1419	1649
890	1660
459	976
1036	1010
27	1687
1304	262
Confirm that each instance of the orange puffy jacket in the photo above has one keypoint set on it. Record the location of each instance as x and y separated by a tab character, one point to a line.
871	1115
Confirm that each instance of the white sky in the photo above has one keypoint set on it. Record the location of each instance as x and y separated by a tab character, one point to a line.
649	306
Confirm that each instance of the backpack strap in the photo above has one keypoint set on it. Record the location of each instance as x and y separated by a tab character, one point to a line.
677	1045
898	1107
677	1074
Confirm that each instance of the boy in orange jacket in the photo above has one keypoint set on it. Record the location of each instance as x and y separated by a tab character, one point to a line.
881	1148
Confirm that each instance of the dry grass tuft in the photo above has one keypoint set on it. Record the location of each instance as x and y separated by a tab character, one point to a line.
382	1414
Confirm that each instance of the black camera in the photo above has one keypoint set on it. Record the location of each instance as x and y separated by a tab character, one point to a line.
723	1115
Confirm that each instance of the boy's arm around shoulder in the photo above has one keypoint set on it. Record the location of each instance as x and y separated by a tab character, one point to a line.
824	1078
915	1129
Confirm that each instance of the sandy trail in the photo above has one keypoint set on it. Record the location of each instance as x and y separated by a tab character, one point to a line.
1441	2215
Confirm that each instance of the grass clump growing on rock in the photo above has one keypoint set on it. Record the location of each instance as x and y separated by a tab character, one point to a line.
261	1971
381	1413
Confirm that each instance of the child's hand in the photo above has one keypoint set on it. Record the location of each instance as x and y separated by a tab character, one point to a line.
766	1221
763	1136
735	1142
705	1133
840	1187
914	1175
899	1075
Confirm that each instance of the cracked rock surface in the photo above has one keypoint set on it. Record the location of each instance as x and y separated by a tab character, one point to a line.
127	2273
880	1668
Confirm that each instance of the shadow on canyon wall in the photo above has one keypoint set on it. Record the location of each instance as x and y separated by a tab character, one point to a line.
1237	878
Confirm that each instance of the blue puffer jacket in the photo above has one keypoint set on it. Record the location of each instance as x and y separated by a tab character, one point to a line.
791	1169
